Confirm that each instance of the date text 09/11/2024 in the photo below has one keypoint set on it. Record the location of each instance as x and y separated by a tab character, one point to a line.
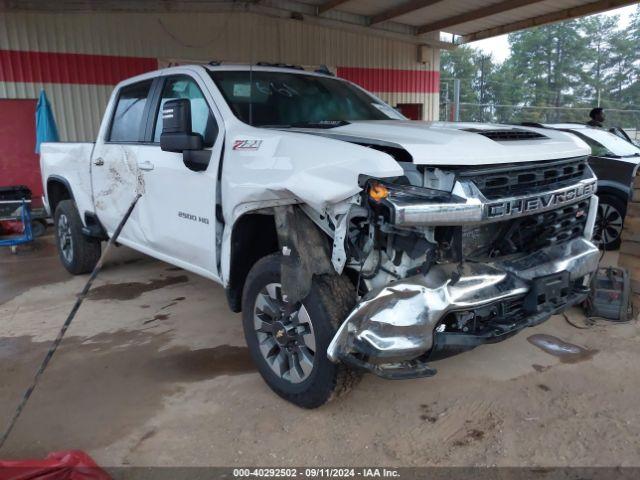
320	472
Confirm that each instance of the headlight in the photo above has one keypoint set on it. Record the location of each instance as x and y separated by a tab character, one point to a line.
379	190
407	205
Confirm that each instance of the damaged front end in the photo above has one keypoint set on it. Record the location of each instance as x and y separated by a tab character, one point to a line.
445	260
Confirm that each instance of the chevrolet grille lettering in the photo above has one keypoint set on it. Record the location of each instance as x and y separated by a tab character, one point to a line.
520	206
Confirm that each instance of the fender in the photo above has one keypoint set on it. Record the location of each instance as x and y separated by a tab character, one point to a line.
614	188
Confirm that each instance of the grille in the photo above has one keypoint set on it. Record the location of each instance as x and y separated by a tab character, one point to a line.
513	134
531	233
526	234
530	178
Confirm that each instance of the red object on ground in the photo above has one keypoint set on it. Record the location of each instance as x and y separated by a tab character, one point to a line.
68	465
11	227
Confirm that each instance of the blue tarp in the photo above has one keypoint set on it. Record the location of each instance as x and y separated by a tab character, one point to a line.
46	130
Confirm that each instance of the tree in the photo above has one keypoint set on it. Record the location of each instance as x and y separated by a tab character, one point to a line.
602	36
548	60
473	69
553	73
625	77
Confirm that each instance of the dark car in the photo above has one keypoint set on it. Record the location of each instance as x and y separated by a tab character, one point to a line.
615	161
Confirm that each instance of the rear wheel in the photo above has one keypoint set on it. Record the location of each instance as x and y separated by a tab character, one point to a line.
289	345
78	253
609	221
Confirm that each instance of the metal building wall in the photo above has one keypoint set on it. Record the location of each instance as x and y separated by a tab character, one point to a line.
105	47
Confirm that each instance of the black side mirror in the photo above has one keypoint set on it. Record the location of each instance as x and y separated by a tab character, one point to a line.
176	127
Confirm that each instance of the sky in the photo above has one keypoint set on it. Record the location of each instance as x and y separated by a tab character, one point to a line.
499	46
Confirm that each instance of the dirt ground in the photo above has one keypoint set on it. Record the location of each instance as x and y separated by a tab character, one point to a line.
154	371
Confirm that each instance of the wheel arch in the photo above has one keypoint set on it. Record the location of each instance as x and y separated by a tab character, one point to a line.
253	237
58	189
259	233
614	188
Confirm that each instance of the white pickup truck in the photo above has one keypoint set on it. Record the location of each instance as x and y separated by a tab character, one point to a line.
350	238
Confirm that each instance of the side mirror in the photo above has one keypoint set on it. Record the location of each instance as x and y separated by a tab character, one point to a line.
176	127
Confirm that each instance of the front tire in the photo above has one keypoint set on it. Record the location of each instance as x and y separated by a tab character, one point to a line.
609	222
78	253
290	350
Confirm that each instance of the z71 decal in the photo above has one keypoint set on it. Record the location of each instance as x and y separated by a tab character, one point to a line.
247	144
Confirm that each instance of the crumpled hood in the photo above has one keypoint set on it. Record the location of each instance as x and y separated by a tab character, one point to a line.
439	143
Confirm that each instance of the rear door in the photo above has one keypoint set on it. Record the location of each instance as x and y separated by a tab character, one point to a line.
115	174
178	210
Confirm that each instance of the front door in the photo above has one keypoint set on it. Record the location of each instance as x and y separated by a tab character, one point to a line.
177	211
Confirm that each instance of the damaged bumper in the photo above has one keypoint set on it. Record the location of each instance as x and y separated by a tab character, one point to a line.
394	331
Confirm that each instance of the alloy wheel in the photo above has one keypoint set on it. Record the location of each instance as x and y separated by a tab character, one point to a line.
608	224
65	238
285	335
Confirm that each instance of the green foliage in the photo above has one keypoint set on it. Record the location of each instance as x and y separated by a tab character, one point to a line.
554	73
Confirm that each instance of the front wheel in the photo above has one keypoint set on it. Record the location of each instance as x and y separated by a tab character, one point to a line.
289	345
609	221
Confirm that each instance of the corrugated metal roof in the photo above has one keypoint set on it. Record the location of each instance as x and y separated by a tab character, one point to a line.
417	19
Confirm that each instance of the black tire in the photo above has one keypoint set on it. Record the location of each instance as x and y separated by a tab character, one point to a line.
38	228
608	230
331	298
77	253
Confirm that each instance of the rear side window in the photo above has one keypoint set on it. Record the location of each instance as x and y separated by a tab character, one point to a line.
127	119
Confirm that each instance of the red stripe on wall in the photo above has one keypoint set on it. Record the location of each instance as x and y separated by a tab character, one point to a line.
392	80
76	68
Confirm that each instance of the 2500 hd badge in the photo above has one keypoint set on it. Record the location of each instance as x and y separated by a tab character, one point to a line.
195	218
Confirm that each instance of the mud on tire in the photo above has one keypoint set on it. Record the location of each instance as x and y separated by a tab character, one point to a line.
331	298
78	253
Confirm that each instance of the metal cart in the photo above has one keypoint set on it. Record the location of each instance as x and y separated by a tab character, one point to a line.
15	210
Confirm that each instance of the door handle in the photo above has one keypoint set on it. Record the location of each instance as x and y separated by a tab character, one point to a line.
145	166
99	162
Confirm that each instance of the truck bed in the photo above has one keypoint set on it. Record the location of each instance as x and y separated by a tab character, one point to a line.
69	162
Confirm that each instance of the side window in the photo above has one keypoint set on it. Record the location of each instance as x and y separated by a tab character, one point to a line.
202	121
127	120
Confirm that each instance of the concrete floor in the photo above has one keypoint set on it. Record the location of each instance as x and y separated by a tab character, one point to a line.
154	371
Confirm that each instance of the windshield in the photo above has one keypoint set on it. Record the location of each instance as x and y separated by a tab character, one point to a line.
605	144
280	99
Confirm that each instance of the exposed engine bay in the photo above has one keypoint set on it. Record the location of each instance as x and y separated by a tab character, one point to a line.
468	256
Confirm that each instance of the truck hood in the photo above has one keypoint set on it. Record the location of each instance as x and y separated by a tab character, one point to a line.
439	143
